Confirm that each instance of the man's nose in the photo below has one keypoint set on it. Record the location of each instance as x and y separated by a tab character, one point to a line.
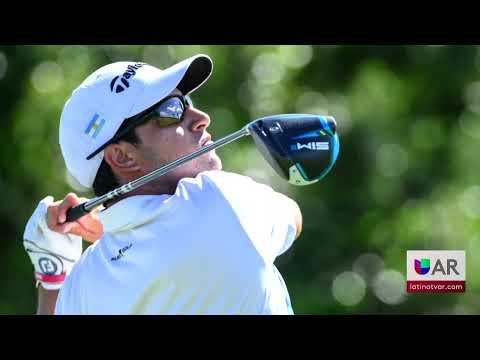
199	120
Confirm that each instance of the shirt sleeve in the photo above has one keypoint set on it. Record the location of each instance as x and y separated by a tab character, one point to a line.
284	227
69	297
267	217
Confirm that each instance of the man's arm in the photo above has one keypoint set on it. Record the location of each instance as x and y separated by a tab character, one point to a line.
89	228
46	301
54	245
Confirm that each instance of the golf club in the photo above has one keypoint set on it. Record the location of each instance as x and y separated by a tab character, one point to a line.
301	148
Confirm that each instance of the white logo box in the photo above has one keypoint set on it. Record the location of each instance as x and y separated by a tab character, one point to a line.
456	257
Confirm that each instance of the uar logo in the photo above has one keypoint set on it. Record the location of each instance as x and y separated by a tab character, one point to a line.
422	266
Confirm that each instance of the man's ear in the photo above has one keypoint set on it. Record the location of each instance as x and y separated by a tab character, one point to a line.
122	157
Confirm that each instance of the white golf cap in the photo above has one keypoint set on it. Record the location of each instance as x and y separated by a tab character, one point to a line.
113	93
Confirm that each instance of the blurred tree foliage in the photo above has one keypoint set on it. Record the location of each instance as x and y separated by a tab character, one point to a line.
407	176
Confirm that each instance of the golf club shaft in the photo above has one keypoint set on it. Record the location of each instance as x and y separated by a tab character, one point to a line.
82	209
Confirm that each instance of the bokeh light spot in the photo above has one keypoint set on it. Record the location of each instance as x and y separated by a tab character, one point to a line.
158	55
390	287
311	102
470	124
47	77
3	65
296	56
348	288
267	69
368	266
470	202
392	160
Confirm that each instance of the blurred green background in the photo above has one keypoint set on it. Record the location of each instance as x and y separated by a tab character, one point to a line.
407	177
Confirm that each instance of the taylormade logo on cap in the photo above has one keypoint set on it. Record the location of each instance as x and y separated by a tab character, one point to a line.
130	72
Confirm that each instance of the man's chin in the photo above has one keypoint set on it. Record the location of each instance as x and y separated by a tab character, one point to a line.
207	162
214	163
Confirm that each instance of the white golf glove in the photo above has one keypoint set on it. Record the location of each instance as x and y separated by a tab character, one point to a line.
52	254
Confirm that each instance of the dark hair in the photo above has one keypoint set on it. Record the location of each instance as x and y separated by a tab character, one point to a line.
105	180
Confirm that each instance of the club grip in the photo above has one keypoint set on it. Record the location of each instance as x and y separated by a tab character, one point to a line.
76	213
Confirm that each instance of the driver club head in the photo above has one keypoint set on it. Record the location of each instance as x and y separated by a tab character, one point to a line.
301	148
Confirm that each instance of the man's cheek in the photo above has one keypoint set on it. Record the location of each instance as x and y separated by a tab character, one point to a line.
179	131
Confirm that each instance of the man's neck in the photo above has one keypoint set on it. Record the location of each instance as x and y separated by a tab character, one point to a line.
153	188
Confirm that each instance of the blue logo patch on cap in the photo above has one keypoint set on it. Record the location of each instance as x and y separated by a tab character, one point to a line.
94	127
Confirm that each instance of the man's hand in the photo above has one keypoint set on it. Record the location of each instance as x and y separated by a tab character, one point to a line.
88	227
55	246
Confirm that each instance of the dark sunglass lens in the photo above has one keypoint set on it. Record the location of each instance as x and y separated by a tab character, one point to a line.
171	108
166	121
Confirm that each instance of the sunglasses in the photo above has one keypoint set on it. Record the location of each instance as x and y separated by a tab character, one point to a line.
167	112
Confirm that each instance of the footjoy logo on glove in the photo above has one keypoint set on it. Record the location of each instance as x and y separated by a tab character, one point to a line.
121	253
47	266
123	82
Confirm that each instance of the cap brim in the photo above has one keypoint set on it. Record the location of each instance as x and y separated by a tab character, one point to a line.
186	76
197	73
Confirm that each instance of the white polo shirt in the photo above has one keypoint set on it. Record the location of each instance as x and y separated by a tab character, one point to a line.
207	249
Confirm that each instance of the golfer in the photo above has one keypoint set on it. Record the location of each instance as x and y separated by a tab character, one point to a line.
198	240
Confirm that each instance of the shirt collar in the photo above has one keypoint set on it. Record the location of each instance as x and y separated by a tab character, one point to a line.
134	211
